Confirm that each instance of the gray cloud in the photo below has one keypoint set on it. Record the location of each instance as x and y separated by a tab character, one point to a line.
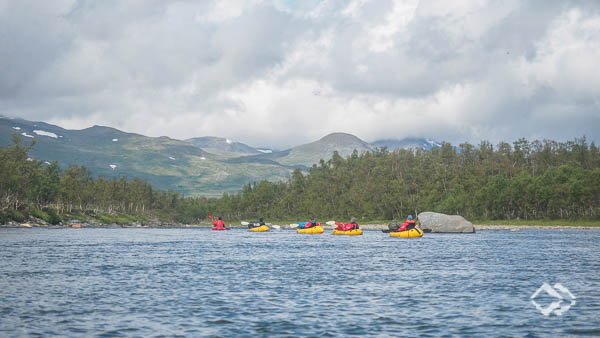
279	73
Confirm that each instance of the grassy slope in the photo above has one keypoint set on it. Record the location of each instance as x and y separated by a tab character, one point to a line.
311	153
192	172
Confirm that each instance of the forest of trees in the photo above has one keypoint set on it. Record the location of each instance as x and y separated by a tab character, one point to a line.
525	180
34	188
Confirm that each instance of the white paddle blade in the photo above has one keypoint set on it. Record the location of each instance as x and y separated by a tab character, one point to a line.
268	224
295	225
330	223
276	227
245	223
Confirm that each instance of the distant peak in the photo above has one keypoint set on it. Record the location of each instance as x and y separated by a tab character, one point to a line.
98	127
337	137
204	138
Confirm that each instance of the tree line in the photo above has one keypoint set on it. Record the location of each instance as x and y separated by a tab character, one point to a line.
29	187
523	180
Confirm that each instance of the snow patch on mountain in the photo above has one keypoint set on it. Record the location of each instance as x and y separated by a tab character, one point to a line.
433	143
229	141
27	135
172	158
16	128
45	133
115	140
203	158
112	166
265	151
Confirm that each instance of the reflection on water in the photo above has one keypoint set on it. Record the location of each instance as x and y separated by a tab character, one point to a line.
234	283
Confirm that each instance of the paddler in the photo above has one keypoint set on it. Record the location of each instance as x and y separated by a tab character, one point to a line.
256	224
219	224
311	223
347	226
408	224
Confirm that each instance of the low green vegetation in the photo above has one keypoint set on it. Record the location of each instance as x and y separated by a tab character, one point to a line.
48	215
120	219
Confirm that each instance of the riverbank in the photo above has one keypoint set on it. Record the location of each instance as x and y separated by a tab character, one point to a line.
366	227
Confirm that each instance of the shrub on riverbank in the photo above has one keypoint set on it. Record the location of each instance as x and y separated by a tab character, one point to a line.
48	215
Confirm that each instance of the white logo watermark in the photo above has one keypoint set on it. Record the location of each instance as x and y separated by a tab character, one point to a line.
558	307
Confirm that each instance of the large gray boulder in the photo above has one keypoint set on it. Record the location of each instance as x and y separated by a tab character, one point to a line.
437	222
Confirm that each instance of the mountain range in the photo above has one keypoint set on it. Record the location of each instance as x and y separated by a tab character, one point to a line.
206	166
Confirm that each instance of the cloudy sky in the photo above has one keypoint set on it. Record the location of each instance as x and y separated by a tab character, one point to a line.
284	72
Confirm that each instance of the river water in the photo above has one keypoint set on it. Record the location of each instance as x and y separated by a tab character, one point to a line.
198	282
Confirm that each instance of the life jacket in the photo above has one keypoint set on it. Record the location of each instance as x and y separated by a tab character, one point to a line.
346	226
219	224
406	224
311	224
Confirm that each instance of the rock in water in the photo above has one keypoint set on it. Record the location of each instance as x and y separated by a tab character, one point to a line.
444	223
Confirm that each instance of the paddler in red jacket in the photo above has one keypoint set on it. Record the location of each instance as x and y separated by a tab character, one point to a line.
219	224
409	224
311	223
347	226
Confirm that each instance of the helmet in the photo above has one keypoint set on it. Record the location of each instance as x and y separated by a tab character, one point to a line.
409	217
353	220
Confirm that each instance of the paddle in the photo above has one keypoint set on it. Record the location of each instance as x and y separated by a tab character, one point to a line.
295	225
246	223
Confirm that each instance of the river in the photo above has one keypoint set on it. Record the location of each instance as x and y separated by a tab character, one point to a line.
198	282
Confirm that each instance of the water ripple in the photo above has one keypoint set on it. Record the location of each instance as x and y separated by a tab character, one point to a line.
195	282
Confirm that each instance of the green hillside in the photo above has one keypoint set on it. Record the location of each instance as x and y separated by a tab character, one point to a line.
207	166
222	147
164	162
311	153
306	155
